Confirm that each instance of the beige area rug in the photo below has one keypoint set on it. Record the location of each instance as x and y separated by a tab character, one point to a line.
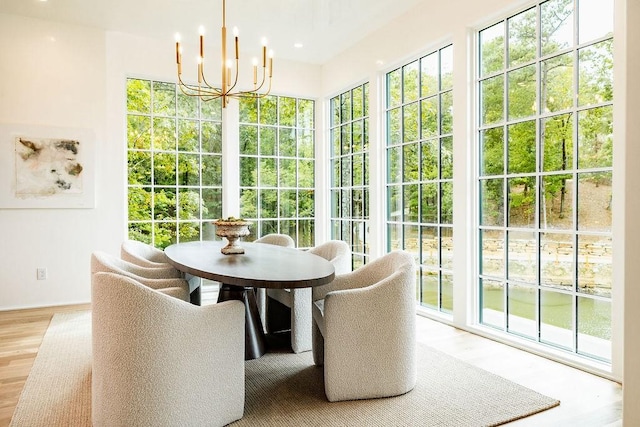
284	389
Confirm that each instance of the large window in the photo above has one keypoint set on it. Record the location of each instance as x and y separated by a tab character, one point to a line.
174	163
277	167
350	171
545	165
419	117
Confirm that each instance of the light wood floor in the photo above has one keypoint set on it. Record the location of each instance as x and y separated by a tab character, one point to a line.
586	400
21	333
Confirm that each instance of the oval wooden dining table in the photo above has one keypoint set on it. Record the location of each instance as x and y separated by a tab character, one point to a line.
261	266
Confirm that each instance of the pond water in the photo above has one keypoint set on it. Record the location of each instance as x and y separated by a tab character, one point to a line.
592	322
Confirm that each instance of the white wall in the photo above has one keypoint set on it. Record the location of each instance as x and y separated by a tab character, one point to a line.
52	75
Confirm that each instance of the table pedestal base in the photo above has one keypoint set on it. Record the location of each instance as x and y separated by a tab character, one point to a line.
255	343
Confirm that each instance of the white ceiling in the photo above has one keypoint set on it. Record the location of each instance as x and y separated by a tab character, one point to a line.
324	27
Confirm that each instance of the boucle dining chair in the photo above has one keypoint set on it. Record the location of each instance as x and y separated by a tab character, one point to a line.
155	278
159	361
299	300
277	239
143	254
261	295
364	330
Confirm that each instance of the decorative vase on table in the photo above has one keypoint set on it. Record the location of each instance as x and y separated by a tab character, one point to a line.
232	229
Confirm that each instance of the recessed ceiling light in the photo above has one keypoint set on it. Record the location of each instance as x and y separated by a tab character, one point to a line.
298	45
379	62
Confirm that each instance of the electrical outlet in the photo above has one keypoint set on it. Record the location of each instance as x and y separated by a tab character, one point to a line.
41	273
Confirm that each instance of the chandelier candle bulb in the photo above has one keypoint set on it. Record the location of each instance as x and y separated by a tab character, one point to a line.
177	48
201	31
255	71
178	54
235	34
237	57
229	66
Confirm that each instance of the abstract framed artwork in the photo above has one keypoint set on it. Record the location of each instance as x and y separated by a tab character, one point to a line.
46	167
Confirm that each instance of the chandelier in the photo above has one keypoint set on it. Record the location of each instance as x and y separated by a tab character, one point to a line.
208	92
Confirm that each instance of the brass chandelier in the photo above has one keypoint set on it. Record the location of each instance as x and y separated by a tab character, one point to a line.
208	92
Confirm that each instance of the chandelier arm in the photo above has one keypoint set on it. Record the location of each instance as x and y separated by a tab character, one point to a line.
193	90
210	98
211	87
190	91
254	94
188	87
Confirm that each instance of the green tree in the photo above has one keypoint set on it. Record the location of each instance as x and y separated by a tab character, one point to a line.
171	183
556	94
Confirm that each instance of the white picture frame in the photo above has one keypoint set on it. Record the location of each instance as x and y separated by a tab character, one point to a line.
46	167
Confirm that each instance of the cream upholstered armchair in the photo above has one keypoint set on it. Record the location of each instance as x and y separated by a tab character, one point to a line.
337	252
159	361
270	239
277	239
166	279
365	330
299	300
143	254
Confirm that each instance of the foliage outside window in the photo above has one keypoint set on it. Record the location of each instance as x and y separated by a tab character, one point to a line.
545	165
419	119
174	146
277	178
350	171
